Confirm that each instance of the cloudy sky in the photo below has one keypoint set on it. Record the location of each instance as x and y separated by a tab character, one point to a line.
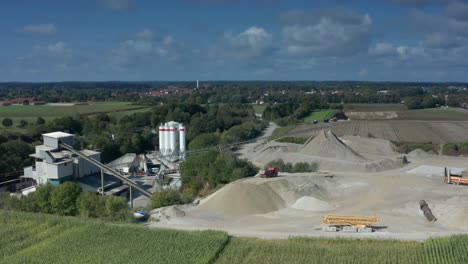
133	40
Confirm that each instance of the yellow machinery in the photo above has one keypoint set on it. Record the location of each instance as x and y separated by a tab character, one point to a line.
350	220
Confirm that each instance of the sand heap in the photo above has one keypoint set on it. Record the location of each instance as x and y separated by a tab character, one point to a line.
328	145
259	196
370	147
309	203
331	153
246	197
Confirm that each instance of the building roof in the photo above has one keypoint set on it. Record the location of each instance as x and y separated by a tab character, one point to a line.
57	135
88	152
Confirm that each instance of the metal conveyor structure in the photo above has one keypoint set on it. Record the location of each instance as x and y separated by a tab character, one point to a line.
106	169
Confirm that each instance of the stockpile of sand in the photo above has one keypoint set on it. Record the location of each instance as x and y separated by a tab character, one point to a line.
419	153
245	197
310	203
328	145
370	146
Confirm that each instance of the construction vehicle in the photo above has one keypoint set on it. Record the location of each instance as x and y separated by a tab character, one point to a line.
349	223
455	179
268	173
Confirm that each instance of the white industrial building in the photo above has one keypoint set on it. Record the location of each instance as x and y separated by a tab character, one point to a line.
55	165
172	140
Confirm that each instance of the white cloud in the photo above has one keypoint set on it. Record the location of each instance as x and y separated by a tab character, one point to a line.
145	49
145	34
332	33
383	49
253	42
41	29
363	72
58	48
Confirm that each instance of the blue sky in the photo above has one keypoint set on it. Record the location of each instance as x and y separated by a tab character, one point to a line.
137	40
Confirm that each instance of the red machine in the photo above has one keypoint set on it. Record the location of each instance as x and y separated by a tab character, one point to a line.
268	173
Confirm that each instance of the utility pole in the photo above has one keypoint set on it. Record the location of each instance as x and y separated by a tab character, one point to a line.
102	183
131	198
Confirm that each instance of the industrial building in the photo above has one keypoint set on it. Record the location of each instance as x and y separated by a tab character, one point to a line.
172	141
55	165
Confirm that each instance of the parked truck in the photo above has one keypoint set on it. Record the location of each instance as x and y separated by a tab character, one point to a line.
268	173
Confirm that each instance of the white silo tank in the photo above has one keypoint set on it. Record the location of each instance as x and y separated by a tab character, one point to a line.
182	141
161	138
173	139
166	139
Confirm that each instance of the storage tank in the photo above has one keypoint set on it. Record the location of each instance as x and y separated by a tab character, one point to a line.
172	146
182	141
166	139
161	138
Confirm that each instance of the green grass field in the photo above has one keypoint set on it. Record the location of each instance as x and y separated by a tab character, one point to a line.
28	111
37	238
281	131
436	114
259	108
48	112
320	115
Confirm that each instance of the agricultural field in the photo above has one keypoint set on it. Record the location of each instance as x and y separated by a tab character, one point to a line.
31	113
36	238
437	132
436	114
320	115
374	107
281	131
314	250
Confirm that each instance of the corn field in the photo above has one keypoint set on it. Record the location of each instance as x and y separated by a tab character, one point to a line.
38	238
450	250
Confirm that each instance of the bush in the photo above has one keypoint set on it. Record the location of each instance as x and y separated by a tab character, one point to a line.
7	122
289	167
166	198
63	198
90	205
213	168
295	140
117	208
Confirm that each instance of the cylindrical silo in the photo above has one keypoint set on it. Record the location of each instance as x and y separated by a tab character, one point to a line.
166	139
173	138
161	139
182	141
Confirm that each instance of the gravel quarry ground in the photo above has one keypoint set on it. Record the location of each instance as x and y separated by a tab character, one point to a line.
372	181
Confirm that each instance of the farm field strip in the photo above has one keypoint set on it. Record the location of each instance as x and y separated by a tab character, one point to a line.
36	238
39	238
46	111
437	132
320	115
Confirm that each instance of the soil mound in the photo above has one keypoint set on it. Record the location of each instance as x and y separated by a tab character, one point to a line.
310	203
248	197
328	145
370	146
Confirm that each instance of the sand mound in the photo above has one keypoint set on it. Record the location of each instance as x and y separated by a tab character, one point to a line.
259	195
166	213
419	153
310	203
247	197
370	146
326	144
